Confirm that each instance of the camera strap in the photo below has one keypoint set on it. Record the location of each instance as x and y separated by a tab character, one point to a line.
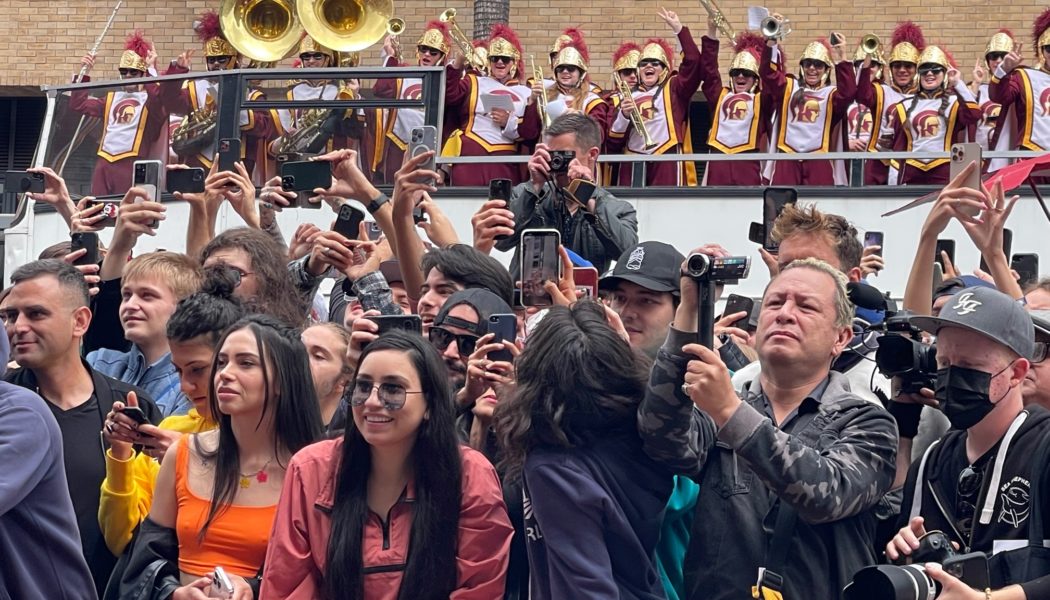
770	583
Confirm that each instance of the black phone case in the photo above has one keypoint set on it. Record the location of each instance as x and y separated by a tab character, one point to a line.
229	153
735	304
506	328
87	240
187	181
348	223
411	323
306	175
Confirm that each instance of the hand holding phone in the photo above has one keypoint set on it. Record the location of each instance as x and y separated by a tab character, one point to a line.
348	223
505	328
221	584
736	303
774	199
424	139
540	262
88	241
874	238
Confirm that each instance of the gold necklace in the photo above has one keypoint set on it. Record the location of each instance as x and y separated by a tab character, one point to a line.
260	476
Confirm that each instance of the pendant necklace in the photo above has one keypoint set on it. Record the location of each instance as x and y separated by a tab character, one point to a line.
260	476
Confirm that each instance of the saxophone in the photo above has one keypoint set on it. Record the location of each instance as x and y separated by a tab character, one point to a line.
312	134
195	133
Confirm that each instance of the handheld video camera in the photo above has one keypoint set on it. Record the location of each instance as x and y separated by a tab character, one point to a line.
720	269
902	354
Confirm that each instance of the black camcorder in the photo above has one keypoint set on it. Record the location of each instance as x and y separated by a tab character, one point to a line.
560	160
902	354
720	269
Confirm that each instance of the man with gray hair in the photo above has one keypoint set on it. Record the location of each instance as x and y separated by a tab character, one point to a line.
598	226
792	467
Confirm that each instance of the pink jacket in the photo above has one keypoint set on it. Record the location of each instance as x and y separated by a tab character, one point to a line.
295	559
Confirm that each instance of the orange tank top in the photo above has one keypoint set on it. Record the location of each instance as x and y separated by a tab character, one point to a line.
236	539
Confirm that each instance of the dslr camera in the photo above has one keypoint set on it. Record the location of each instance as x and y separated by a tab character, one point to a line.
902	354
910	582
560	160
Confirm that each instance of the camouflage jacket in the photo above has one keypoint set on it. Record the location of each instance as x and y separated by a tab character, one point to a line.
832	461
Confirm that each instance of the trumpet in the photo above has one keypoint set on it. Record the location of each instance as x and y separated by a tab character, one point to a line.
774	28
870	44
541	103
461	39
394	28
636	115
719	19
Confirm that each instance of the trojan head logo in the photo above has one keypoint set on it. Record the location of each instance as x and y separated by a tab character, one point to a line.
506	92
927	124
808	109
736	107
412	92
859	119
124	111
1044	101
990	111
645	107
866	122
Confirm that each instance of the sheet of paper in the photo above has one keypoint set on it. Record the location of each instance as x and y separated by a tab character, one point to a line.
755	16
491	101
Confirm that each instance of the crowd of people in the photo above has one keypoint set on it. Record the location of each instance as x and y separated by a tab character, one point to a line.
207	424
908	96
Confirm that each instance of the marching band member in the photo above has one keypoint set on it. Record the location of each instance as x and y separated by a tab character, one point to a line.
571	89
933	119
573	36
194	140
999	45
907	42
133	117
858	118
1024	93
662	97
809	111
431	50
740	113
313	130
492	130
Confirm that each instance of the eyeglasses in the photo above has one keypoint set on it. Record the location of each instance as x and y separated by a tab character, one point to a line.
465	342
429	51
312	56
931	70
503	60
1042	349
391	395
238	273
965	495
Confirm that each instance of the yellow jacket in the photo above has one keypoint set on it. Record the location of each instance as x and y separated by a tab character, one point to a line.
127	490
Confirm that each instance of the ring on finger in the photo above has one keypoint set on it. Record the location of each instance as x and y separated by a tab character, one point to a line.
685	389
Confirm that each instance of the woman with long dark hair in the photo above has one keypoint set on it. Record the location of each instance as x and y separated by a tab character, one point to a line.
594	501
217	491
397	505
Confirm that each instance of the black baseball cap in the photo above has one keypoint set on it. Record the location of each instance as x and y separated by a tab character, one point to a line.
655	266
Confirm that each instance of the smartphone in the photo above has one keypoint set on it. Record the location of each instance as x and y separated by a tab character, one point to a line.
221	584
306	176
135	414
736	303
515	301
423	139
1027	267
947	246
1008	243
961	156
88	240
109	211
499	189
410	323
971	569
229	153
374	231
146	175
586	279
874	238
539	262
773	202
752	319
16	182
938	276
505	326
187	181
348	223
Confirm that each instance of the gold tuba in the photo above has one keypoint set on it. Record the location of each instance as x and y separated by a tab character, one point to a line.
461	39
345	25
265	31
719	19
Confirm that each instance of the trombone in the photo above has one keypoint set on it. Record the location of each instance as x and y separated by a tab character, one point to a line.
541	103
394	28
461	39
719	19
636	115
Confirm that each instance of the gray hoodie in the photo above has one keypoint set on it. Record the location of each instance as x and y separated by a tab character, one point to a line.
39	540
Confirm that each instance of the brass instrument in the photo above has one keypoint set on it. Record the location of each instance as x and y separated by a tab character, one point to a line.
719	19
394	28
541	103
345	25
636	115
309	137
870	44
461	39
195	133
774	28
265	31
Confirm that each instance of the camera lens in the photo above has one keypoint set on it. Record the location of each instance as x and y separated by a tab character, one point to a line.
888	582
697	265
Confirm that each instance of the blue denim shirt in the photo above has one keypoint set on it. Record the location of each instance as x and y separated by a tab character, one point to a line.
160	379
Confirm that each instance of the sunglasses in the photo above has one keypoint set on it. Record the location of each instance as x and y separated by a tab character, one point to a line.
649	62
564	68
429	51
391	395
931	70
1041	351
965	496
740	73
503	60
441	338
812	64
312	56
129	73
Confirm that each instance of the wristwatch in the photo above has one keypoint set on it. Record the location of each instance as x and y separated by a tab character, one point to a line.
377	203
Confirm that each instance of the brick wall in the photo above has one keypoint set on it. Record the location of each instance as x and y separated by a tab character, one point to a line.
43	39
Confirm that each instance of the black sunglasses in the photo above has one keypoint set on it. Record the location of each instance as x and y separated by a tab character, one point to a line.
931	70
740	73
563	68
965	499
129	72
503	60
312	56
429	51
812	64
650	62
465	342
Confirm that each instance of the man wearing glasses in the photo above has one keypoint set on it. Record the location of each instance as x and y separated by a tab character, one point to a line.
495	112
1037	382
975	483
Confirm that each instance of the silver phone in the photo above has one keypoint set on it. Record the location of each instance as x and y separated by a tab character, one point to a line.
424	139
221	584
961	156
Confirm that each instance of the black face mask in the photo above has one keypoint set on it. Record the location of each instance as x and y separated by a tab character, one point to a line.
963	395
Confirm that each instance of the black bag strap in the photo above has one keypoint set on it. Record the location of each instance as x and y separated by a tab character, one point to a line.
1035	516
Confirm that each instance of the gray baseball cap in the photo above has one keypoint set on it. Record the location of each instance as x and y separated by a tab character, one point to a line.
988	312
